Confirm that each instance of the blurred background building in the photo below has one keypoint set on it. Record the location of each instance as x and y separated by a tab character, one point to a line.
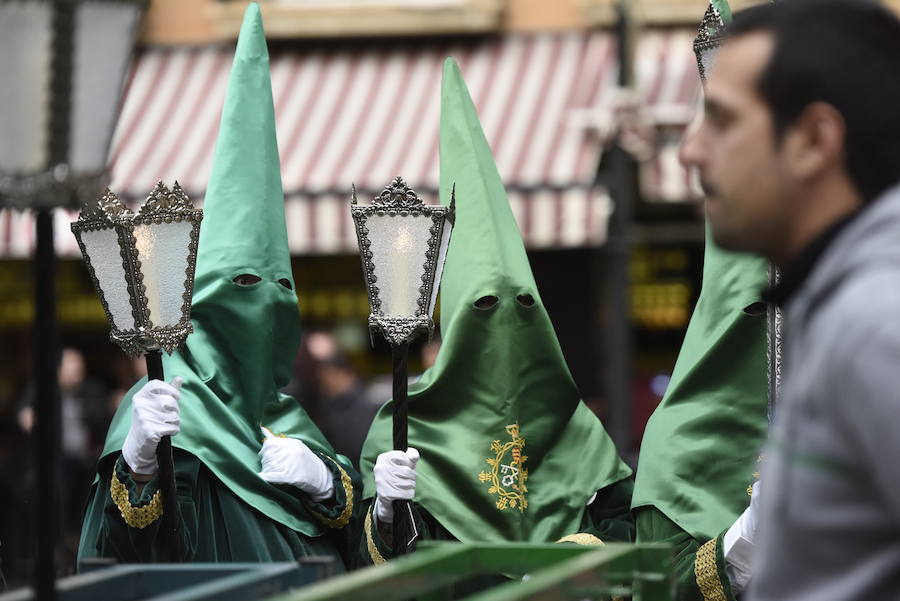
357	94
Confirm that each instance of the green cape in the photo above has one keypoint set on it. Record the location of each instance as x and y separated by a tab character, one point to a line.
701	445
509	452
245	337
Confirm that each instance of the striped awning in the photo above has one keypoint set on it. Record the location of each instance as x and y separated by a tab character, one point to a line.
365	114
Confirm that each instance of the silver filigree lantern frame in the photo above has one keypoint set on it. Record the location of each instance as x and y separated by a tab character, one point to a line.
709	38
399	201
163	206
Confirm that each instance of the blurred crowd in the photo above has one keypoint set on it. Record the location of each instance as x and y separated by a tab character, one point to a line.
89	397
327	384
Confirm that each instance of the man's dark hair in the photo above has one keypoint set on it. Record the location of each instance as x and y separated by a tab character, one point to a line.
845	53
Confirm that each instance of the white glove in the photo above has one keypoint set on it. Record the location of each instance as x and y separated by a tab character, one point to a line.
738	542
154	414
395	480
289	461
751	514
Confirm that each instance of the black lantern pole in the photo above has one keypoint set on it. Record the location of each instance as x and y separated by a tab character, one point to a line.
402	244
47	411
166	462
47	427
404	530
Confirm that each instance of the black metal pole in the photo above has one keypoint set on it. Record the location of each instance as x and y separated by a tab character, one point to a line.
47	422
620	172
403	526
619	345
166	471
46	406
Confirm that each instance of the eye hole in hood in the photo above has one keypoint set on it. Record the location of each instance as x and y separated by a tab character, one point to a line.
246	279
286	283
526	300
755	309
486	302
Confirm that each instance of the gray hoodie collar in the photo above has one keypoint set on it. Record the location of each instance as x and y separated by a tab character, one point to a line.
870	238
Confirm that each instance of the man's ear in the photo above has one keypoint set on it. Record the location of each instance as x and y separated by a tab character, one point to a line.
814	142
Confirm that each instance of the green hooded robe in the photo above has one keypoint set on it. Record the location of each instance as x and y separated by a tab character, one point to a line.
508	450
701	446
233	365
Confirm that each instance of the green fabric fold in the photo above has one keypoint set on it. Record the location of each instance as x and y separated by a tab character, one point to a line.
701	445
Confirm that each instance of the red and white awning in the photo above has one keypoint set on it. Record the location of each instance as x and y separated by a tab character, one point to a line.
363	115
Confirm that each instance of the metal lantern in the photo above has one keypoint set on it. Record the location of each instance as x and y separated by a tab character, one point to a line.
403	244
63	63
142	265
709	38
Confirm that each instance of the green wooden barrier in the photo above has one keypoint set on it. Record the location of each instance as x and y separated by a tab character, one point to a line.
642	572
185	582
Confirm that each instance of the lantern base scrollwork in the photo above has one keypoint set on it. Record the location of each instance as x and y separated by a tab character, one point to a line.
137	342
399	330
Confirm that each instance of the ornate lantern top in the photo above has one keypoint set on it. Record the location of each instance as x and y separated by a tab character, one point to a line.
709	36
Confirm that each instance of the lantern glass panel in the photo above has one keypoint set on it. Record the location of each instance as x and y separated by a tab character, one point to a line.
25	30
163	254
442	254
399	244
102	246
707	59
103	35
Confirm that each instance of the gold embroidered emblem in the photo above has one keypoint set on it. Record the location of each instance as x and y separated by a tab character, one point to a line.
507	473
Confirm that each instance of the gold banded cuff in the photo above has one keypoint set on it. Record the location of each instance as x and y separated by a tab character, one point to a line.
707	573
344	518
136	517
376	556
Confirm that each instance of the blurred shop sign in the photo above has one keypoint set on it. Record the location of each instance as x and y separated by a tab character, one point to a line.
661	288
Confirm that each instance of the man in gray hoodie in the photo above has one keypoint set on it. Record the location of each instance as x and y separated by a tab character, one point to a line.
799	155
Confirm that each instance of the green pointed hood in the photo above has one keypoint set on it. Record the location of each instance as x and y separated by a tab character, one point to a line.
498	419
245	337
701	445
723	9
244	232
